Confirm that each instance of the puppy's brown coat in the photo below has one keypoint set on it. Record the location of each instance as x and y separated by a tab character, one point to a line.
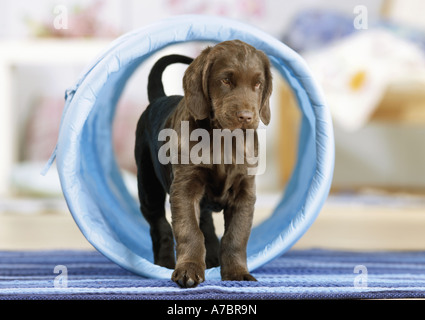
226	87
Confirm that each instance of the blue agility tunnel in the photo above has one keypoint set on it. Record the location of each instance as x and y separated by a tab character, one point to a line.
106	213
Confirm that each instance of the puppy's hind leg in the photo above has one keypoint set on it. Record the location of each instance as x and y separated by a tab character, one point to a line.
152	201
212	244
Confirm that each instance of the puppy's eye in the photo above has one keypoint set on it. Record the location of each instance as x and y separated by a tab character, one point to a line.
257	85
226	81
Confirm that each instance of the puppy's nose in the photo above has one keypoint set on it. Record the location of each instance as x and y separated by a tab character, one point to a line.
245	116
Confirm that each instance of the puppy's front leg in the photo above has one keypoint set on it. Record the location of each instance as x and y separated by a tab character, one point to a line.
185	197
238	222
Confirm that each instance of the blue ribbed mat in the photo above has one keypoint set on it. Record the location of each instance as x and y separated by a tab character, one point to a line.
299	274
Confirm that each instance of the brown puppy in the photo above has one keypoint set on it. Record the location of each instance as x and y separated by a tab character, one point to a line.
226	87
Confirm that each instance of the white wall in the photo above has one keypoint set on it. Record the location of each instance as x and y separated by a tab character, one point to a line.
271	15
380	155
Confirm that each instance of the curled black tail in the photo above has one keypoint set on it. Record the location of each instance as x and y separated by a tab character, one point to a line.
155	87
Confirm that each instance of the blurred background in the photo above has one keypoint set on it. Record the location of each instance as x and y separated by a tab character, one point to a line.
369	59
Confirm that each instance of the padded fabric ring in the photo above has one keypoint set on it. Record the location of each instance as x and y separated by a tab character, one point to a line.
106	213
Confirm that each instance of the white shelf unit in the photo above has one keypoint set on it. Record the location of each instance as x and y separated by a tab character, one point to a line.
36	52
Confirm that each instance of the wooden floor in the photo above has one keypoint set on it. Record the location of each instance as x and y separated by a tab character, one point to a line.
380	228
342	226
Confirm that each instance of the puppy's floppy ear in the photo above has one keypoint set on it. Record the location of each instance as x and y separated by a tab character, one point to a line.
265	113
195	85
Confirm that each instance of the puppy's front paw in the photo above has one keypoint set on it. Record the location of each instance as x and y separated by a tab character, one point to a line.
188	275
238	277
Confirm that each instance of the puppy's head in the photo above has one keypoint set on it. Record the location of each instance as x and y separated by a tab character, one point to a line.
231	83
